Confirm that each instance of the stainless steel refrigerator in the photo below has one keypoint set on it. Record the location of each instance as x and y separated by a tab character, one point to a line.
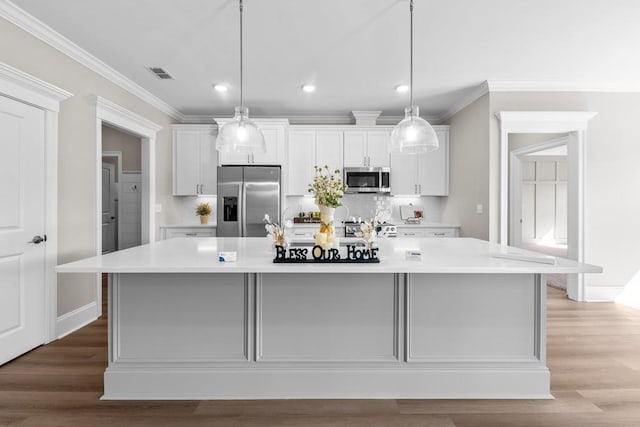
245	195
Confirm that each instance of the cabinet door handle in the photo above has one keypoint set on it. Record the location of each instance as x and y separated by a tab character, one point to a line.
299	234
190	234
409	234
438	234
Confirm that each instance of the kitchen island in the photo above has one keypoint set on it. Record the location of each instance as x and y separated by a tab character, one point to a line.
458	323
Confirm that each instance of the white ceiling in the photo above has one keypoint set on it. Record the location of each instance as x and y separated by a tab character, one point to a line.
355	51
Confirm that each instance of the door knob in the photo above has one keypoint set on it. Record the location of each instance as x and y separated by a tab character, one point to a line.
38	239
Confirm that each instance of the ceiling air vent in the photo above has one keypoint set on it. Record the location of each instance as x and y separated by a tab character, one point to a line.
161	73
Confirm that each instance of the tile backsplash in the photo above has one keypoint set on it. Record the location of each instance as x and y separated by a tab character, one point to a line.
364	206
354	205
186	207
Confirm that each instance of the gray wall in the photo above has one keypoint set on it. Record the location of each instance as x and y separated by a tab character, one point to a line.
469	174
77	152
129	145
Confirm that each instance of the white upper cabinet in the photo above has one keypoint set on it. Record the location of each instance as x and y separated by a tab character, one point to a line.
302	149
329	149
274	132
366	148
309	148
423	174
195	160
355	148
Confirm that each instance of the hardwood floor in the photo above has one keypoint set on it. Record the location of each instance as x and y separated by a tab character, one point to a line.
593	354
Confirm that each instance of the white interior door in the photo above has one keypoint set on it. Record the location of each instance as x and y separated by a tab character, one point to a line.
22	228
109	213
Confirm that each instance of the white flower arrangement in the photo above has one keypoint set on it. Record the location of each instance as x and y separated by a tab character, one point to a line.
327	187
275	231
368	231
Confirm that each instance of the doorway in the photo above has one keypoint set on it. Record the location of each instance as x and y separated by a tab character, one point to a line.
121	190
574	124
538	196
116	117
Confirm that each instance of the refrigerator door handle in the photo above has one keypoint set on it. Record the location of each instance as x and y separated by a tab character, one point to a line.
243	209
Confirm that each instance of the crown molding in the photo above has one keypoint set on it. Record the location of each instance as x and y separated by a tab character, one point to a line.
32	89
40	30
558	86
478	92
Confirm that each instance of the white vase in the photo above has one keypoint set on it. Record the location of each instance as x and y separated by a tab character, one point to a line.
326	214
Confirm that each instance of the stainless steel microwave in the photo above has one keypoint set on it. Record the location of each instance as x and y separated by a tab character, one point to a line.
368	180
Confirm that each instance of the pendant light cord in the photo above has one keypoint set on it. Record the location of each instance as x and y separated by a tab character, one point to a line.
410	53
241	11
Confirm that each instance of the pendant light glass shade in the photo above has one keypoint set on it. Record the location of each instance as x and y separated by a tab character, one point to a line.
413	134
240	135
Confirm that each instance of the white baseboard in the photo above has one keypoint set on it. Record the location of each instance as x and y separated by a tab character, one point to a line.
602	293
76	319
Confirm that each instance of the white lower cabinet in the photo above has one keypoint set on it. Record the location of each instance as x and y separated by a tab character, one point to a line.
170	232
417	231
308	231
423	174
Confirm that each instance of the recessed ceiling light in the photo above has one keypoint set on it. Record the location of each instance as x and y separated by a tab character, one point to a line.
220	88
402	88
308	88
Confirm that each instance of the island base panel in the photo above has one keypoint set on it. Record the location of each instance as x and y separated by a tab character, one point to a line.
338	335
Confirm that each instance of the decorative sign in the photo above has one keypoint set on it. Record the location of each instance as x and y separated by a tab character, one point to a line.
320	255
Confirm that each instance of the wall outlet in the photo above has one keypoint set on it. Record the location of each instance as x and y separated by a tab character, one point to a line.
479	209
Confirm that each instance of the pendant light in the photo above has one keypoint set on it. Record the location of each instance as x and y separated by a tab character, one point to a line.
240	135
413	134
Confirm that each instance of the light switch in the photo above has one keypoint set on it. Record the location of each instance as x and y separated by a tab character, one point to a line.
479	209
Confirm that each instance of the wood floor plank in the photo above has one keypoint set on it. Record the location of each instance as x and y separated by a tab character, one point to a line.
593	353
564	402
328	407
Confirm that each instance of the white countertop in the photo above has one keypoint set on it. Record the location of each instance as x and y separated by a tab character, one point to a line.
255	255
194	225
401	223
397	223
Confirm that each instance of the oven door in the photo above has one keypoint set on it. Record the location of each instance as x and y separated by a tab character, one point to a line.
362	180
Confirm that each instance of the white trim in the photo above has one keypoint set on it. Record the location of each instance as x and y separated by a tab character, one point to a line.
337	120
481	90
544	121
575	124
272	382
366	118
31	90
121	118
42	31
558	86
76	319
26	88
602	293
